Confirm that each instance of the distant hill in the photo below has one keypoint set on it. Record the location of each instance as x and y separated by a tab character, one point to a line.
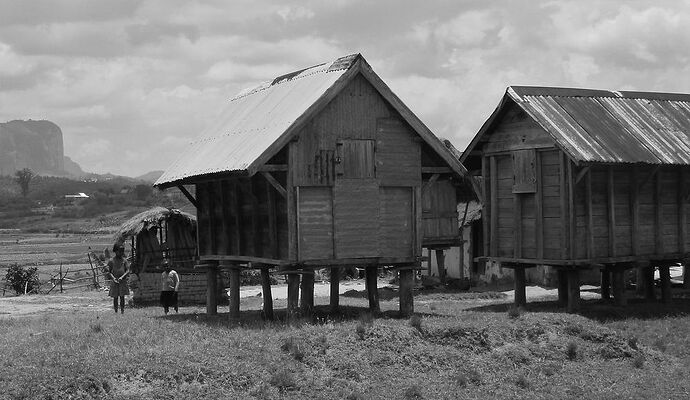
31	144
150	177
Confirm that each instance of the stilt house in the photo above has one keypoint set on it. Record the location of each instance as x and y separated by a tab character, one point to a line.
577	178
322	167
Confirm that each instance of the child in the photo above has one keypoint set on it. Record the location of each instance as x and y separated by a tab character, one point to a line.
118	269
170	282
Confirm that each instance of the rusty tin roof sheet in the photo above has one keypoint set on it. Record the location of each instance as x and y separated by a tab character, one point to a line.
611	127
253	120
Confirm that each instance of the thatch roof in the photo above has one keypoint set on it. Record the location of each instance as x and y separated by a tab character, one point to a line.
150	219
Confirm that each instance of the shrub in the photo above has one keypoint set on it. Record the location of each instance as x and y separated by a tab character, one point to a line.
416	322
284	380
514	312
571	351
413	392
638	361
632	342
22	280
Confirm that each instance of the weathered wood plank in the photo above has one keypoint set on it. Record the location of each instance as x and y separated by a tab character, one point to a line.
493	229
539	207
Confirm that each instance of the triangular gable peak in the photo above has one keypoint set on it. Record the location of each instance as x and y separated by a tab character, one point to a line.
261	121
598	126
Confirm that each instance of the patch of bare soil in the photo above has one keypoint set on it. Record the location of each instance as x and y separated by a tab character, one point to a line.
96	300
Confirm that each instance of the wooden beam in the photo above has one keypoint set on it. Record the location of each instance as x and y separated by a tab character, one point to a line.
611	210
573	291
406	286
234	291
665	276
590	215
659	215
188	196
605	283
562	287
307	297
267	308
430	182
293	293
539	208
436	170
564	205
274	182
243	259
211	289
520	283
493	204
618	286
273	168
485	207
571	211
372	288
581	174
335	289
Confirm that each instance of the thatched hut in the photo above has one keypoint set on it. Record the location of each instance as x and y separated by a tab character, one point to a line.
162	234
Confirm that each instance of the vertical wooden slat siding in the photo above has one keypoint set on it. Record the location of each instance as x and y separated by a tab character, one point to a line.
493	229
682	210
225	237
564	206
486	208
659	216
517	227
539	208
211	189
590	215
417	221
298	230
670	188
611	211
571	210
272	220
291	203
256	226
398	154
551	196
635	210
237	212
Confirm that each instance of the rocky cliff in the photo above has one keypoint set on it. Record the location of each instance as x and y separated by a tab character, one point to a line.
33	144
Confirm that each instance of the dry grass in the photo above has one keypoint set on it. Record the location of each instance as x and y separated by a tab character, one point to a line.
460	353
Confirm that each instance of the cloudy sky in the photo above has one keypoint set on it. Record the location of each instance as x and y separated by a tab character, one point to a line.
131	82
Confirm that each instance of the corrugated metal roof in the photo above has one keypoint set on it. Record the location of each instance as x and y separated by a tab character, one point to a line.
609	126
254	120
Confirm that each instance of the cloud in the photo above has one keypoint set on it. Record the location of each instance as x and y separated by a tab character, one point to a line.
136	80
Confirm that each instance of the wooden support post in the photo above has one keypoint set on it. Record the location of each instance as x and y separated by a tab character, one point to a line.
520	283
605	283
335	289
234	292
618	286
686	275
307	298
267	295
406	278
211	289
372	288
649	289
665	275
573	291
562	287
441	265
293	293
640	281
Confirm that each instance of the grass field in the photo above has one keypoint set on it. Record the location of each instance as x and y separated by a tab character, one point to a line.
457	345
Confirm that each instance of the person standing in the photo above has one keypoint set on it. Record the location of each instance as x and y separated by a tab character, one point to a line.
118	270
170	282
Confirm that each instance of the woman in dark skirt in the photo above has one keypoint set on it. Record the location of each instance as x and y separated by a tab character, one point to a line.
118	270
170	282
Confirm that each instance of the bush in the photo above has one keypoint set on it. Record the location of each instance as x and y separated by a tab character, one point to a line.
22	280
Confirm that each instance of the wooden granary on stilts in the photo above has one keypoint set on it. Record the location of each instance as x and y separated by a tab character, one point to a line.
580	179
319	168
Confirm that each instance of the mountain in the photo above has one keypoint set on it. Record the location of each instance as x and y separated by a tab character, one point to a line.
31	144
150	176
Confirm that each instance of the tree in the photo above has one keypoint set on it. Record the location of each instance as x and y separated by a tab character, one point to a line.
23	178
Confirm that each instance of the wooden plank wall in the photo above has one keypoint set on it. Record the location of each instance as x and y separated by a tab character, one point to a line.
356	213
505	211
241	216
315	213
439	210
398	154
396	236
